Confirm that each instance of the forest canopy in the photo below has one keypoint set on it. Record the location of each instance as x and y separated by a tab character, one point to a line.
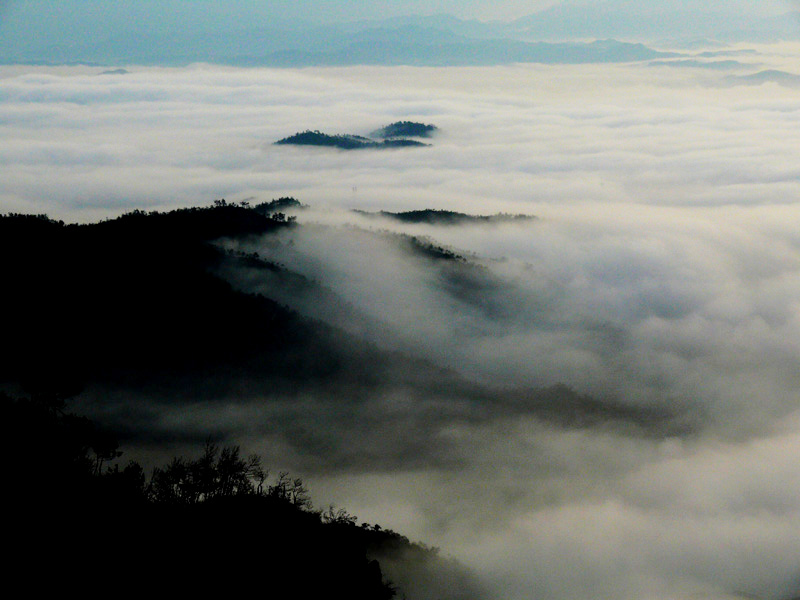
70	488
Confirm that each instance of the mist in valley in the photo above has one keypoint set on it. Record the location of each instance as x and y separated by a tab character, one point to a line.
598	402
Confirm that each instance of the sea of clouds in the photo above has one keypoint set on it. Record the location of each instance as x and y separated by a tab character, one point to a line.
663	270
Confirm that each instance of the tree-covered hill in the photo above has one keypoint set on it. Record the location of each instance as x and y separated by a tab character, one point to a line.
138	300
133	294
146	304
405	129
317	138
215	524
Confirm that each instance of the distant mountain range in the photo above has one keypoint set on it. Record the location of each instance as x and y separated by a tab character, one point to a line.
559	34
444	41
767	76
673	21
718	65
432	48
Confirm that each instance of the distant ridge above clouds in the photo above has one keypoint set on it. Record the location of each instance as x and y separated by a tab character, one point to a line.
414	41
767	76
462	52
655	21
241	33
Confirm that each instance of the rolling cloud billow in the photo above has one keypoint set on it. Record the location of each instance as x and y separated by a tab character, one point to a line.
598	402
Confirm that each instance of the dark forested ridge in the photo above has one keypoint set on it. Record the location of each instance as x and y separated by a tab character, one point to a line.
132	294
317	138
218	523
135	299
144	303
278	205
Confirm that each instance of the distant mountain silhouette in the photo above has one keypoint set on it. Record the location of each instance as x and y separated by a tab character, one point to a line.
623	19
421	41
458	52
700	64
767	76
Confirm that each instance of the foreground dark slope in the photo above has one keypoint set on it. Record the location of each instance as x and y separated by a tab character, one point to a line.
132	307
215	524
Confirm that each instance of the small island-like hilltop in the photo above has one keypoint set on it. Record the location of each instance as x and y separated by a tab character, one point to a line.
405	129
394	135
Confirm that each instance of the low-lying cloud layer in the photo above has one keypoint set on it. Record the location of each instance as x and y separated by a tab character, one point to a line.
650	307
663	271
82	145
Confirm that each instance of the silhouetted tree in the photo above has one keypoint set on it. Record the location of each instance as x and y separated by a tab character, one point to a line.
338	516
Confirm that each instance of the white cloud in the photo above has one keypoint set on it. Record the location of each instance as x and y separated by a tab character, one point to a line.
665	268
523	139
